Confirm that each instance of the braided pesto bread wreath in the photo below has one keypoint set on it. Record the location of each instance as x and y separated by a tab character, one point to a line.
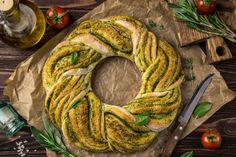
90	124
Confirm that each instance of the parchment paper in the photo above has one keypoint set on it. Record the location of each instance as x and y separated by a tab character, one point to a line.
116	80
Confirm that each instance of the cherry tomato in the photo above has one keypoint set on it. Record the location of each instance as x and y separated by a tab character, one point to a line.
57	17
211	139
205	6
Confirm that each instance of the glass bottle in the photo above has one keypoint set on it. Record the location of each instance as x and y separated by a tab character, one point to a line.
22	23
9	120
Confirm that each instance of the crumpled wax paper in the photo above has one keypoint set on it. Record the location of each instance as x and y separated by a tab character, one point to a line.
117	80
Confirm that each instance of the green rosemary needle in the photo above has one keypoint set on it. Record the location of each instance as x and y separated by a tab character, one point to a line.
50	138
186	11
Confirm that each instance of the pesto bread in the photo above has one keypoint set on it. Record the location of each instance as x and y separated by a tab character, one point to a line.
90	124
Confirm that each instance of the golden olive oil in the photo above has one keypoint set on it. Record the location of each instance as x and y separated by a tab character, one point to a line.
24	24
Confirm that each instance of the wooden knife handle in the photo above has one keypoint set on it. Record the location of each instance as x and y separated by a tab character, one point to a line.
217	50
173	140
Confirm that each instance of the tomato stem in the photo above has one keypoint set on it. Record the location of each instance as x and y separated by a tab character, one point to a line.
207	2
56	18
60	15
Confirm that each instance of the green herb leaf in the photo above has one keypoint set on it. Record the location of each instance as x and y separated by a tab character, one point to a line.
187	154
75	103
50	138
36	133
48	130
201	109
189	63
152	24
190	76
142	119
161	27
74	57
174	7
186	11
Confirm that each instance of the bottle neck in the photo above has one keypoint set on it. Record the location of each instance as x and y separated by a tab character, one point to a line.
7	7
18	21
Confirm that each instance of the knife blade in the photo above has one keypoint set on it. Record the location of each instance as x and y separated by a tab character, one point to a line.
185	116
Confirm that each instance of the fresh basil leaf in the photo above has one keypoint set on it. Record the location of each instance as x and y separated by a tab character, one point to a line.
74	57
201	109
142	119
187	154
75	103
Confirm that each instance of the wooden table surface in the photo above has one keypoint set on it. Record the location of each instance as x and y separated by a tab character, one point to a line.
224	119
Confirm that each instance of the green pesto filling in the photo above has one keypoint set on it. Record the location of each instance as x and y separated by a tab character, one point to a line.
70	131
162	72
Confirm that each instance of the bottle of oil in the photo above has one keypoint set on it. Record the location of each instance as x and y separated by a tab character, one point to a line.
22	23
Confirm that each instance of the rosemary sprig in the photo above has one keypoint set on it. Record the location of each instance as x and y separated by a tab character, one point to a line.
187	154
50	138
186	11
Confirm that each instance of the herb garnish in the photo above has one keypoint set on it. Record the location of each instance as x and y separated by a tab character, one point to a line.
50	138
75	103
201	109
74	57
142	119
152	24
187	154
189	65
186	11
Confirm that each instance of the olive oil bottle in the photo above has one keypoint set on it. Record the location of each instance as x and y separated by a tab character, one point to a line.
22	23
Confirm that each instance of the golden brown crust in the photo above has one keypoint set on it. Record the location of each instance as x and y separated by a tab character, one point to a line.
88	123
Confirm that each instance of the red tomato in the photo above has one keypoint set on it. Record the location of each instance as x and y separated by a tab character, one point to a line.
211	139
57	17
205	6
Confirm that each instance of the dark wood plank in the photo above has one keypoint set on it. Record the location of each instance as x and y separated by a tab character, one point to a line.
25	140
224	119
11	57
229	4
225	123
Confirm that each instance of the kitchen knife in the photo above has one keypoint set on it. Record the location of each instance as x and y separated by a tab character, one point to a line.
185	116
